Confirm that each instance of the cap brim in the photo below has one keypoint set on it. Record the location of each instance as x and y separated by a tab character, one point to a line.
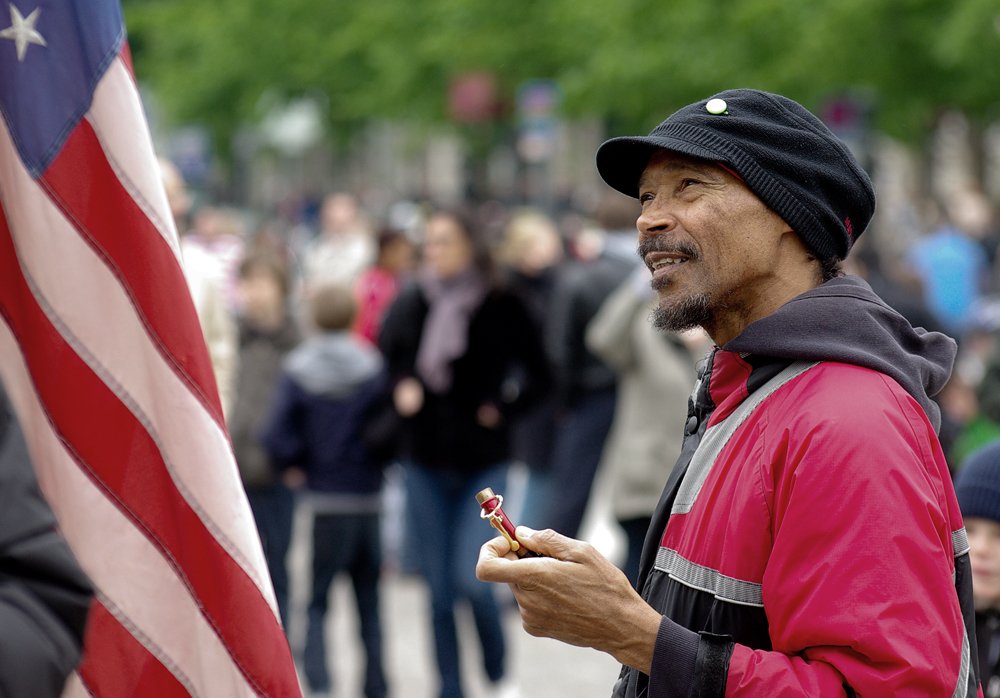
621	161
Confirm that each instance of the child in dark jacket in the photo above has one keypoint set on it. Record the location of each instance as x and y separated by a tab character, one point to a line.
267	333
977	486
328	386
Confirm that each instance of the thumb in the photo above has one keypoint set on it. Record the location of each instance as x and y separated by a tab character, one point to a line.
547	542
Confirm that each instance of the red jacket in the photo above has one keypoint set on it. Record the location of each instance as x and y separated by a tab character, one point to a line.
823	554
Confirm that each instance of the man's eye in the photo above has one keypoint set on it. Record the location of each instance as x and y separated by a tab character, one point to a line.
689	182
645	198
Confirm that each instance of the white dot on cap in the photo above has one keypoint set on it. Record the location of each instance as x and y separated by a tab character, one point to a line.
716	106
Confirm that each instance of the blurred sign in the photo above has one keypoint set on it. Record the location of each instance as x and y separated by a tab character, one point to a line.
847	116
537	100
191	151
843	115
295	127
537	104
472	98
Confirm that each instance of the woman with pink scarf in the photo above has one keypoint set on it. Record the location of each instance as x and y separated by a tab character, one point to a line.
463	357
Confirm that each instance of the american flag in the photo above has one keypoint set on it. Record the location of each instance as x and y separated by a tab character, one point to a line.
103	357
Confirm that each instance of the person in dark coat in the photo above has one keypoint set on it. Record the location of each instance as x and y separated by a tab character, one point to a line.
531	254
451	342
267	333
586	385
44	595
325	395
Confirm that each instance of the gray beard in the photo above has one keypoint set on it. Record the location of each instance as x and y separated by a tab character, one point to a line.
693	311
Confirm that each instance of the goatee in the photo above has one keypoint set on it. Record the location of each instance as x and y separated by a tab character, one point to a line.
693	311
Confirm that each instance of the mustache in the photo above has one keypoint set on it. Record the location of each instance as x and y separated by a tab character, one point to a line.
659	244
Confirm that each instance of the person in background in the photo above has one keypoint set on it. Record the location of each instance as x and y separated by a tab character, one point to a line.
977	485
206	283
585	384
953	268
344	248
656	372
326	391
44	595
451	341
531	252
218	233
988	390
377	288
890	280
964	425
266	334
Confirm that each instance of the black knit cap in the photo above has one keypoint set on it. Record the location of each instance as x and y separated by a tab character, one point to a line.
977	483
784	154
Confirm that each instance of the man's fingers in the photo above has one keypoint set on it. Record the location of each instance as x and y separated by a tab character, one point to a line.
494	560
549	543
498	563
494	548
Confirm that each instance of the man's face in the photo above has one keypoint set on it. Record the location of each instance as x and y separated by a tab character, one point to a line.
711	244
984	556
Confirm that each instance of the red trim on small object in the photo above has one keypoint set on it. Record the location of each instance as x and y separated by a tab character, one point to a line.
730	171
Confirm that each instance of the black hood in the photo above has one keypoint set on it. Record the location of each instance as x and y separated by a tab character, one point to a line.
843	320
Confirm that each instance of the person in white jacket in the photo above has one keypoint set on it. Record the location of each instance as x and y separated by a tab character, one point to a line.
205	280
656	372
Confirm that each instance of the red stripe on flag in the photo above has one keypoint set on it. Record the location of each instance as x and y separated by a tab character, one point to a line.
116	664
115	450
83	185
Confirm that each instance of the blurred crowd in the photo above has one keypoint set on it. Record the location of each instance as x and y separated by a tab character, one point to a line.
439	348
949	281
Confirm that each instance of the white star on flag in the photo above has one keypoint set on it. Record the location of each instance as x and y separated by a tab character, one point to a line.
22	31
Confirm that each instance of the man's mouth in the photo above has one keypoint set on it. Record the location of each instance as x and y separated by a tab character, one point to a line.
663	256
659	260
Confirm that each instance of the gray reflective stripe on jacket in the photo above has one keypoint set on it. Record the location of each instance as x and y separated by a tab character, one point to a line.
717	436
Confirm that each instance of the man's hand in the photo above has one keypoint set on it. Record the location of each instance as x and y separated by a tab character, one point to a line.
574	595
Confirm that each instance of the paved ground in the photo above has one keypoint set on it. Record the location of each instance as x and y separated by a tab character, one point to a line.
542	668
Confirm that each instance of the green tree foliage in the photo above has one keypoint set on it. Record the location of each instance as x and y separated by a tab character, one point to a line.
629	61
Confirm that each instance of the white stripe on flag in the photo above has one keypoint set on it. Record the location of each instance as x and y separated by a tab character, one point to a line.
96	317
130	150
123	565
74	688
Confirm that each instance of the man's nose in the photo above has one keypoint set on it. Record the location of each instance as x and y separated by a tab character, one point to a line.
655	219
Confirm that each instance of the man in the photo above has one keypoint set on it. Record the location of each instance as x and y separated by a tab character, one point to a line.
805	545
345	246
